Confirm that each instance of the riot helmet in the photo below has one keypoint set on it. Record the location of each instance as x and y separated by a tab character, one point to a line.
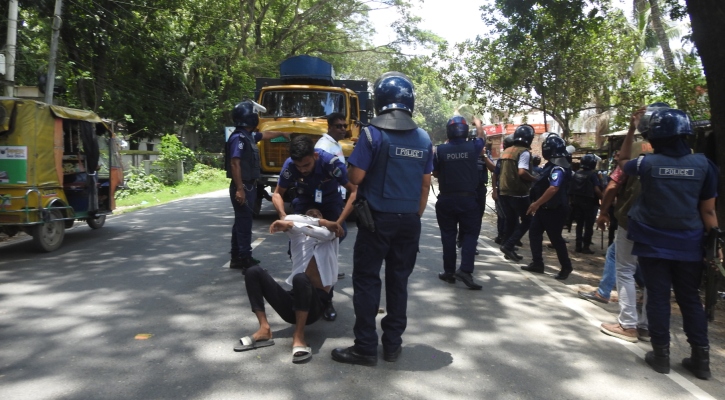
667	123
588	161
508	141
644	122
393	91
536	160
524	134
553	146
457	128
245	115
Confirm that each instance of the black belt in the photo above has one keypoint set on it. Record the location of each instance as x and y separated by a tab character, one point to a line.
459	194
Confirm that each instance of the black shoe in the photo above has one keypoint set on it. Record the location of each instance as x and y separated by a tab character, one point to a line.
392	356
699	362
519	244
562	275
534	267
447	276
329	314
510	253
341	275
477	252
236	263
467	280
498	240
551	246
659	358
586	250
350	356
578	249
243	263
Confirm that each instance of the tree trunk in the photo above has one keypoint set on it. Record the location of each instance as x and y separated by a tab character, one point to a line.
670	67
708	23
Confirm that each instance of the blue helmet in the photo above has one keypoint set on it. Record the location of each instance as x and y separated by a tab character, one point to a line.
668	123
553	146
524	134
393	91
588	161
457	128
244	115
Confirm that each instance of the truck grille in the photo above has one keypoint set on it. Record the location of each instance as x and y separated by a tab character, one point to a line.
275	154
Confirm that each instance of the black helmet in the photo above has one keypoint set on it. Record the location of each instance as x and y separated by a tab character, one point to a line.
588	161
508	141
553	146
536	160
644	122
393	91
244	115
457	128
668	123
524	134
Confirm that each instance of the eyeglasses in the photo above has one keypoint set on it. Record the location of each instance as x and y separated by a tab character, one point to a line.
340	126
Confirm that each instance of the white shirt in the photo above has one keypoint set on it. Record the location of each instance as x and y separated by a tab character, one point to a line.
332	146
308	239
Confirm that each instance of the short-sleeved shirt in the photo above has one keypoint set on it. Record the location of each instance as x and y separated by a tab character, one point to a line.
236	146
364	153
525	160
618	176
327	175
478	143
677	244
332	146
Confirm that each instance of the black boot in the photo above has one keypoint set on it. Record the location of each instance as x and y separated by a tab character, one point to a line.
699	362
659	358
586	250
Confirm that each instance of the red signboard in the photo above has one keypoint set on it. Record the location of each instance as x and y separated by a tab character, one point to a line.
538	128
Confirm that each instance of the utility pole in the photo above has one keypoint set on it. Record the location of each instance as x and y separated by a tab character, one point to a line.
50	81
10	48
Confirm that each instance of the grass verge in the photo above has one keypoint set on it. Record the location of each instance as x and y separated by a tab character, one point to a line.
168	193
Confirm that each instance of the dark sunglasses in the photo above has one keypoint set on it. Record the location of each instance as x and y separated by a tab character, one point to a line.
340	126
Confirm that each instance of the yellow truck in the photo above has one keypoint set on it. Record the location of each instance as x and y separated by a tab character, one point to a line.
298	102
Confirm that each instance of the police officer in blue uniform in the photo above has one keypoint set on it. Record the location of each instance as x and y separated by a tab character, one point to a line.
315	175
392	164
456	166
242	163
667	224
549	207
585	194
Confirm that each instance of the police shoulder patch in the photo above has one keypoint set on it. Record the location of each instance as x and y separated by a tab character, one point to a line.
241	145
286	174
337	172
555	175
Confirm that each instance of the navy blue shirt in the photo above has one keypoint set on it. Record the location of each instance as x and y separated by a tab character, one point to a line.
479	144
329	173
236	146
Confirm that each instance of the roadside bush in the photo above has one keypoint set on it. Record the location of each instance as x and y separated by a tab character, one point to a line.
204	173
138	182
172	151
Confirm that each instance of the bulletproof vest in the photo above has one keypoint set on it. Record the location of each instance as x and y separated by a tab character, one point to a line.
482	171
457	167
670	191
582	185
394	180
540	186
249	162
510	184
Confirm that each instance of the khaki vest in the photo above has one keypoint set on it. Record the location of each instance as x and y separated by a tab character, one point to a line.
510	182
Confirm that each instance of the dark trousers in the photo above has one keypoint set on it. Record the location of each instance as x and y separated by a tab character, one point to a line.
500	219
242	228
455	212
552	222
517	222
303	296
684	277
394	241
584	216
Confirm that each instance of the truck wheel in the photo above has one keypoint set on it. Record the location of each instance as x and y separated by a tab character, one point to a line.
49	236
97	222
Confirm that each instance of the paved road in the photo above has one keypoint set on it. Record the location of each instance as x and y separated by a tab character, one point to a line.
68	322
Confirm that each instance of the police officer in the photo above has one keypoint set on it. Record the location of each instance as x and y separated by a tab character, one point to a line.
508	141
549	207
536	162
241	161
585	194
392	164
514	185
667	224
456	166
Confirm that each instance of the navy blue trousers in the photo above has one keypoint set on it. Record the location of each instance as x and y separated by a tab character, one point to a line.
552	222
242	228
454	212
584	216
684	277
394	241
514	208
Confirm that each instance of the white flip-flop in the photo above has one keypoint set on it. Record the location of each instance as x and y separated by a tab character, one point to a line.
301	353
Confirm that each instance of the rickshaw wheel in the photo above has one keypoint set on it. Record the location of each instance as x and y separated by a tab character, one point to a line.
97	222
49	236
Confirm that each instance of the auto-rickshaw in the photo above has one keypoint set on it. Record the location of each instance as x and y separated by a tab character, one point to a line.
57	165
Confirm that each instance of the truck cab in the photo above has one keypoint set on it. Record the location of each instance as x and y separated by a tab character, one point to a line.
298	102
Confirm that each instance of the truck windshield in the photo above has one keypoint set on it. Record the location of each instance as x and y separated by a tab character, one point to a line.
302	103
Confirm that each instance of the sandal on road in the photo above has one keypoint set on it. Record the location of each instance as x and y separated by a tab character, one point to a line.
249	343
301	353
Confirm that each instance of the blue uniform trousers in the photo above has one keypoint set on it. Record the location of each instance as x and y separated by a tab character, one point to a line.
500	219
394	241
550	221
514	208
584	216
453	212
684	278
242	228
